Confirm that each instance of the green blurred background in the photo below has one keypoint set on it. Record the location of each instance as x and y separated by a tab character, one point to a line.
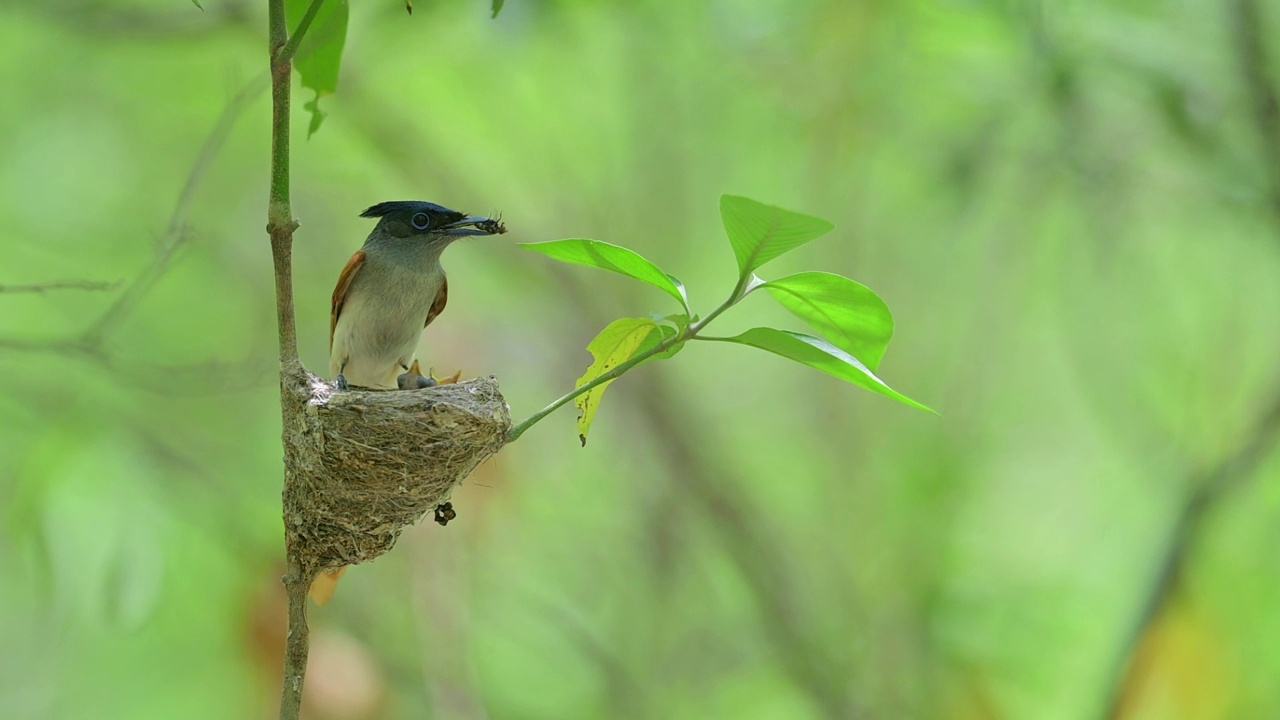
1073	210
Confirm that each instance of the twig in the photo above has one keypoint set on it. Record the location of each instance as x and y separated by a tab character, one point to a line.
291	48
689	332
59	285
520	428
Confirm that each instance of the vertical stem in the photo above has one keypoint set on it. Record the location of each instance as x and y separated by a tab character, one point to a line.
297	581
280	227
280	224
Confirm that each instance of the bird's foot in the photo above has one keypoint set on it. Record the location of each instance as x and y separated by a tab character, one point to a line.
342	382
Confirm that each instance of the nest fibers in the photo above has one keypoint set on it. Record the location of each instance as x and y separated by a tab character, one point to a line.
363	465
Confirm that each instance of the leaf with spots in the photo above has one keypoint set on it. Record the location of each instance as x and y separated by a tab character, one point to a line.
616	344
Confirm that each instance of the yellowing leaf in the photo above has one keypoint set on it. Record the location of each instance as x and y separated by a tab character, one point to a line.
616	344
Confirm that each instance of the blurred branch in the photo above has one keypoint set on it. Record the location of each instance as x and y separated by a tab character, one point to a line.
159	378
177	234
90	343
113	19
1249	26
59	285
627	698
1215	484
758	557
1211	487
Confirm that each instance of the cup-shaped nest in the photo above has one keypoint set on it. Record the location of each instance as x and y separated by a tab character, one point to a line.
363	465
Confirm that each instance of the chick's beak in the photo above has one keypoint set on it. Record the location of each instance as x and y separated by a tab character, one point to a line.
475	225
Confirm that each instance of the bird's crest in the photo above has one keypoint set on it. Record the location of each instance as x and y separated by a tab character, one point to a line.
406	206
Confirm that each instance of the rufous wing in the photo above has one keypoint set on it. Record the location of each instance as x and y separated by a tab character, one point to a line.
442	299
340	292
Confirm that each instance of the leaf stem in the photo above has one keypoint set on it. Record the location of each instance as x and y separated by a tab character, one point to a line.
742	289
290	48
690	332
613	374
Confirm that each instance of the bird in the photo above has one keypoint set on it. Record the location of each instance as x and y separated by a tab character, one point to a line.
392	288
388	293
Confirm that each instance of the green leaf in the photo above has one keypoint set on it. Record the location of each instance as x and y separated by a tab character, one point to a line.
497	7
819	355
619	342
319	57
848	314
197	4
317	115
760	233
594	253
665	332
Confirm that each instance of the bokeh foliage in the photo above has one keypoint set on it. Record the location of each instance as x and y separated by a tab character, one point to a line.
1070	208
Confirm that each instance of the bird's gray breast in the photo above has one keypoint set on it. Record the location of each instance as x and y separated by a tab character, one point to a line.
394	301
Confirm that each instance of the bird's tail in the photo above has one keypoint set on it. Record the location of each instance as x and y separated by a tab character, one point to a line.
325	583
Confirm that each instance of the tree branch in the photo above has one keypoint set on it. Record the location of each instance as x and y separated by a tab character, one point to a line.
59	285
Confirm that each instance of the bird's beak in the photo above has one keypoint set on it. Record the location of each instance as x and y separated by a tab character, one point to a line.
475	225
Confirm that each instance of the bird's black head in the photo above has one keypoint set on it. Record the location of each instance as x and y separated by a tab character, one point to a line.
405	218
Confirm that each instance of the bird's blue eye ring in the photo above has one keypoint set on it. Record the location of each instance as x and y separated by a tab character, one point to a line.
421	221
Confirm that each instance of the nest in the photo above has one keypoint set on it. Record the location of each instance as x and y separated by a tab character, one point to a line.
363	465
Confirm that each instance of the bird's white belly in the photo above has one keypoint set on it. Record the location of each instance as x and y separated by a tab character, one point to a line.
376	346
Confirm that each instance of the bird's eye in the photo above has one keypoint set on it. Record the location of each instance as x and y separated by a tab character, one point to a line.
421	221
